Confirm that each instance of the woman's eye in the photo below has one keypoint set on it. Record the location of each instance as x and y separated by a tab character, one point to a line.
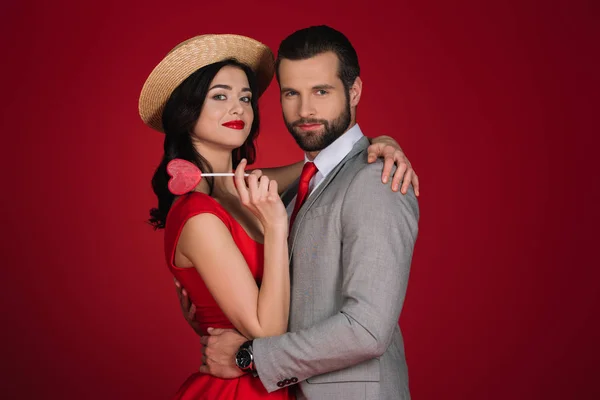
246	99
219	97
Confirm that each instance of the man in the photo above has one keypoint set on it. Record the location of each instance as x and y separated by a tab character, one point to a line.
351	244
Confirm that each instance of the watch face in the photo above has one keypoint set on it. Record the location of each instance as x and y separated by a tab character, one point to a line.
243	359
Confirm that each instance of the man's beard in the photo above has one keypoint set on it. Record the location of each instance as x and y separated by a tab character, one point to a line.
316	141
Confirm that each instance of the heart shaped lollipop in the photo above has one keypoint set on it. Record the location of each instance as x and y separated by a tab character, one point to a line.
185	176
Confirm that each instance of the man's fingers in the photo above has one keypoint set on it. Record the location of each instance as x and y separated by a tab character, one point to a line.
178	288
216	331
204	341
204	369
191	314
184	300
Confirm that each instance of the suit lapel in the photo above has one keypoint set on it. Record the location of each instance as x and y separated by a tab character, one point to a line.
358	147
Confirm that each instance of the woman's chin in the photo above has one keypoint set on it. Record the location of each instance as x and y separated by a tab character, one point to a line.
230	143
234	145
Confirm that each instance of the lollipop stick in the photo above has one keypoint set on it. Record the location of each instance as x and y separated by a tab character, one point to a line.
221	174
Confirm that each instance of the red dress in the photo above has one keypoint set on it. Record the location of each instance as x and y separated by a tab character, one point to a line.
208	314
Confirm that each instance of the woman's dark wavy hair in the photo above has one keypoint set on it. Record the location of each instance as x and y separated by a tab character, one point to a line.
179	119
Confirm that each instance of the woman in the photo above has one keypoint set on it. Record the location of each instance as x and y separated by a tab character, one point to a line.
226	240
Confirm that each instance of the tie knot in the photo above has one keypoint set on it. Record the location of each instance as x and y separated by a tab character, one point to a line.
308	171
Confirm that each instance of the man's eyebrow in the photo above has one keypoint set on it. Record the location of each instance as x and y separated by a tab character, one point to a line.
321	87
317	87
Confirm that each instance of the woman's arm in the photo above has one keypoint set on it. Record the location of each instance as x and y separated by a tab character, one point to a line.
284	175
206	243
381	147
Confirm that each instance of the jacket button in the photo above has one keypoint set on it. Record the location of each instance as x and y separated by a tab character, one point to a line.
287	381
280	384
294	379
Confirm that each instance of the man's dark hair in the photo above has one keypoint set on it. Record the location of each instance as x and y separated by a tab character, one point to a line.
309	42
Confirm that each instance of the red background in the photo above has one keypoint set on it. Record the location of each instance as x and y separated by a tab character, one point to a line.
492	103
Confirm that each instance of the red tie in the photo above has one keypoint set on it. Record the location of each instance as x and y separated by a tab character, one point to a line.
308	171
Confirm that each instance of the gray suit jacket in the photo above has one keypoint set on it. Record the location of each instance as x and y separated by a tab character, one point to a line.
351	247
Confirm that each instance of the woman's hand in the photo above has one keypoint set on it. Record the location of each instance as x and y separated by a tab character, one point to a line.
260	196
387	148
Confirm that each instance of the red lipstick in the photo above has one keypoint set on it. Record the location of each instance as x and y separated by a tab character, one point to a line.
237	124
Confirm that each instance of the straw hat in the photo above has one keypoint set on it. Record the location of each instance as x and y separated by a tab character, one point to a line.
192	54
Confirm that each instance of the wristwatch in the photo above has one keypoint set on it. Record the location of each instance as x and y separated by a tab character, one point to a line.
244	359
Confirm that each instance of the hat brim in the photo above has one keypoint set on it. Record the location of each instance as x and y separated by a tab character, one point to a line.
193	54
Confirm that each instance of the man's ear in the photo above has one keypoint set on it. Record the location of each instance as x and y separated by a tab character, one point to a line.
355	92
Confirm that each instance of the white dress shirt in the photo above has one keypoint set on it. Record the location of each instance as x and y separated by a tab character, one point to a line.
328	159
